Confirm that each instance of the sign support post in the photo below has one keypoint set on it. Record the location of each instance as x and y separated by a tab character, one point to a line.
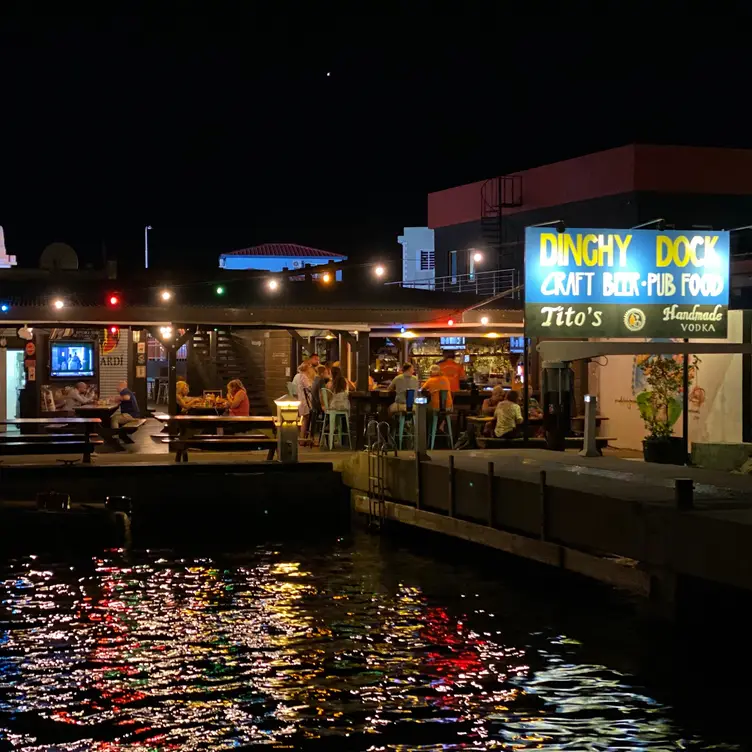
685	408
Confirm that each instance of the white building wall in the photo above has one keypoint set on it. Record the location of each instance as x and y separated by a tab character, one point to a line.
715	413
413	241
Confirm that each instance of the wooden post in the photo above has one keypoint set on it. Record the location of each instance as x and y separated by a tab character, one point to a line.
363	367
685	407
451	486
491	476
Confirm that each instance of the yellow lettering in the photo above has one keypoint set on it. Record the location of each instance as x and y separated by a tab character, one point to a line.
574	249
682	260
548	251
606	250
590	260
663	245
623	244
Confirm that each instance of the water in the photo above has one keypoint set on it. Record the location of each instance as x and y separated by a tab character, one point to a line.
354	644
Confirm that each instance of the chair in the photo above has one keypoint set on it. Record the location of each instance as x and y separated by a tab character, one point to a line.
162	393
332	418
442	414
407	418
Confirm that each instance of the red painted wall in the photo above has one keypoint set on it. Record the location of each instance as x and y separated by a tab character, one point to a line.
662	169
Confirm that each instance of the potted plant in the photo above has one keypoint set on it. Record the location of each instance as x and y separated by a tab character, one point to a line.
660	407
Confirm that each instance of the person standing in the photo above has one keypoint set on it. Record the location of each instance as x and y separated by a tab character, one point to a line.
452	370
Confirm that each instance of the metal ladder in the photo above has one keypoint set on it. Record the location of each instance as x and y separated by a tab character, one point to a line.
379	443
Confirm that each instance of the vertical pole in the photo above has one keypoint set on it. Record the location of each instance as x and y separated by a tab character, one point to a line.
525	393
685	407
363	367
172	376
146	246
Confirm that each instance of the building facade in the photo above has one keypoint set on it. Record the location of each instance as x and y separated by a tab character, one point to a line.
277	257
689	187
418	261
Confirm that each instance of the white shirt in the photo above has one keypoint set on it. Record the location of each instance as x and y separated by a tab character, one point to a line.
508	417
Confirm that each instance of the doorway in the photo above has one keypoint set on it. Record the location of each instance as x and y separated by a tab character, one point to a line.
15	381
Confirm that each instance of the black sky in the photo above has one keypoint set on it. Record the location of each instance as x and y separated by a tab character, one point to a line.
224	131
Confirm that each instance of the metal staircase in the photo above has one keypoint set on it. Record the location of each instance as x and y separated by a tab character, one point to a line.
497	194
219	359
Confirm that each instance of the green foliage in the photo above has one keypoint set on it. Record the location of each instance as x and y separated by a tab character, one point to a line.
661	406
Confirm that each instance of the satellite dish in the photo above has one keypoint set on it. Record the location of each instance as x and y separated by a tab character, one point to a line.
58	256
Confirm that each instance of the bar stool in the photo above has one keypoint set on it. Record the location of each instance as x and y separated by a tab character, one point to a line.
333	419
407	418
162	393
442	414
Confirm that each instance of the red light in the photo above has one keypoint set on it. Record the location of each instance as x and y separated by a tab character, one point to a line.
450	322
114	300
113	330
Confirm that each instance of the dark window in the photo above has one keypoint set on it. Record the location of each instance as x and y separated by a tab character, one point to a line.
427	261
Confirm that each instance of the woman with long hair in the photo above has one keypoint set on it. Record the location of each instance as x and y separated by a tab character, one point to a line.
340	398
238	398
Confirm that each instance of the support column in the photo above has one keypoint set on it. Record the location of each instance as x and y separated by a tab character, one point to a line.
346	343
137	366
363	370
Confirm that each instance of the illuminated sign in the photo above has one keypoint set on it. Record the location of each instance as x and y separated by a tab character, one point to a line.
636	284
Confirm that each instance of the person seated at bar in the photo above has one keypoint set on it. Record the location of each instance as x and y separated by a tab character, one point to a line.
79	395
534	410
321	380
184	401
435	384
508	417
400	385
350	384
239	404
340	399
452	370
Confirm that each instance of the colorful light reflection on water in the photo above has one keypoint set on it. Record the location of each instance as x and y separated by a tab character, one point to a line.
331	648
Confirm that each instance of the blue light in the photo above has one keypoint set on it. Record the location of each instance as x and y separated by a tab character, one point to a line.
402	330
4	307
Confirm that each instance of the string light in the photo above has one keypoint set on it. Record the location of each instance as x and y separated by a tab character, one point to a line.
272	284
166	295
379	271
58	304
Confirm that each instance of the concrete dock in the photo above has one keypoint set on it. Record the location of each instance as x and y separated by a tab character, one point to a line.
611	519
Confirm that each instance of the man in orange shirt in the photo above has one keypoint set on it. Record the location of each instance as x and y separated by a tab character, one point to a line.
435	385
453	371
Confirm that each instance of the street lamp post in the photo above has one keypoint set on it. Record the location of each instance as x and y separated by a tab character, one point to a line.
146	246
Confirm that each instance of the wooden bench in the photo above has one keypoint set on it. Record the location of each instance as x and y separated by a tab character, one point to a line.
41	444
250	442
133	426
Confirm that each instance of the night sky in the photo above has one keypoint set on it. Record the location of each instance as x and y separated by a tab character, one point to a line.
225	131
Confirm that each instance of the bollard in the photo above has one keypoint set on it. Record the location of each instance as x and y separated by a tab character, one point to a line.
420	429
683	494
589	445
451	485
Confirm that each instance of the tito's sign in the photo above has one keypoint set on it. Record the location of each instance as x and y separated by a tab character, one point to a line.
626	283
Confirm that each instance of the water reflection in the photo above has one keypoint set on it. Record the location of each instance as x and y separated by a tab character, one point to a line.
343	647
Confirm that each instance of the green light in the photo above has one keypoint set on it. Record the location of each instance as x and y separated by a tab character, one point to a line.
220	290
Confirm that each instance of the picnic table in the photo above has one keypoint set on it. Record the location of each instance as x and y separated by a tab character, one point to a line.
184	433
108	433
51	443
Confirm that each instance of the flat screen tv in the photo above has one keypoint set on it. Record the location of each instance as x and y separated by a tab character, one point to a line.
71	360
